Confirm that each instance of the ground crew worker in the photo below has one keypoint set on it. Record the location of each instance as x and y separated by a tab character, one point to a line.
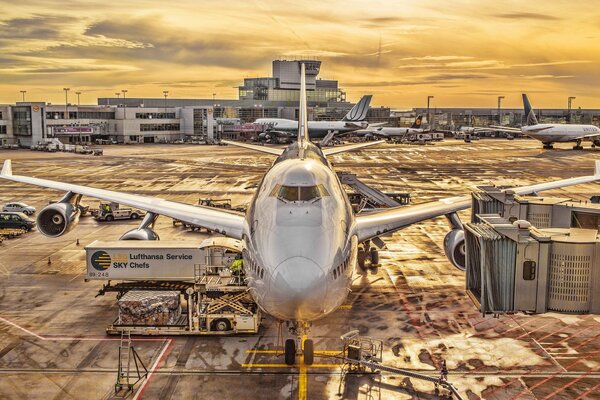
236	266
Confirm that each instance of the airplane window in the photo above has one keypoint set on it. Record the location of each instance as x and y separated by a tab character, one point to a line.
308	193
289	193
299	193
275	190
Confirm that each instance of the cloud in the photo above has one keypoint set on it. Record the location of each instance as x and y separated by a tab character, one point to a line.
528	15
436	58
38	26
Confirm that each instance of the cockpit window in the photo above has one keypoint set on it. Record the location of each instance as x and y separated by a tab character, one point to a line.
299	193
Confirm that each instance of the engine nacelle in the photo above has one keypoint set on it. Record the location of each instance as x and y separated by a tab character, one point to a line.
57	219
454	247
140	234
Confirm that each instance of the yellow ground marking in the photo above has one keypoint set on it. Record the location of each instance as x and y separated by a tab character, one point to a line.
252	365
345	306
302	390
317	353
302	368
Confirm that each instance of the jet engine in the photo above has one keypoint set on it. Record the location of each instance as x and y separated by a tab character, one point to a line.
140	234
454	247
57	219
143	232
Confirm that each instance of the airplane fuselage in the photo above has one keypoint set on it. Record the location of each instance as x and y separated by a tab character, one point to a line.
299	253
552	133
316	129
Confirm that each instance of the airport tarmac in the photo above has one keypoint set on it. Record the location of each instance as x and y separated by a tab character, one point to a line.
52	327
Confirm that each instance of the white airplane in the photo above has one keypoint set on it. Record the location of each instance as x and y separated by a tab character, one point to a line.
352	121
300	237
393	132
554	133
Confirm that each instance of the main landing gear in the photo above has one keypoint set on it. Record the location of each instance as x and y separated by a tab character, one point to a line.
548	146
578	146
306	348
367	253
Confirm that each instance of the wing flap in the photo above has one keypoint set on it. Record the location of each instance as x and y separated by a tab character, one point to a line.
389	220
229	223
350	147
262	149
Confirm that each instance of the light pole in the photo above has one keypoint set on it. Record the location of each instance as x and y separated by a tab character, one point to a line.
165	93
23	93
570	101
499	109
124	91
214	95
428	114
78	94
66	102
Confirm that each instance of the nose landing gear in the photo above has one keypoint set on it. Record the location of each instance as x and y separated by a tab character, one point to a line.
306	347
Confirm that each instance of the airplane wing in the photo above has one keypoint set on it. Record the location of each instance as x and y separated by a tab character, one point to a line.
389	220
508	129
228	223
341	149
263	149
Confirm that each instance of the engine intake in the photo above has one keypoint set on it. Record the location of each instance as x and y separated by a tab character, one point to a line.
454	247
57	219
140	234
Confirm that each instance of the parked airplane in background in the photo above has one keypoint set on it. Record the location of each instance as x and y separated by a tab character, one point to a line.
554	133
287	128
300	236
394	133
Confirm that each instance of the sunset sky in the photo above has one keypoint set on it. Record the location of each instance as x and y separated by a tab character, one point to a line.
465	53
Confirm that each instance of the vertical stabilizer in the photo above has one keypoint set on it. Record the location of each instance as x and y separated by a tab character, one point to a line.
360	109
530	118
303	109
417	123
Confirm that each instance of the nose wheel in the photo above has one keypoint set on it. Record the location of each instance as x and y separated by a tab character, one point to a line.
308	352
305	349
290	351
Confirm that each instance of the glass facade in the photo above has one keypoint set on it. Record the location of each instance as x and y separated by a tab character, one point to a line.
2	129
268	89
21	120
154	115
159	127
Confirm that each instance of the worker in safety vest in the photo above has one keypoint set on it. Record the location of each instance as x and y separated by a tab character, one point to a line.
237	268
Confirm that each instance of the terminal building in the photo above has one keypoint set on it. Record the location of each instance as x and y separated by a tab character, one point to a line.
152	120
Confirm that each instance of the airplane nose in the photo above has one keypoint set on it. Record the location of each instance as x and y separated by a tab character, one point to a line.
298	287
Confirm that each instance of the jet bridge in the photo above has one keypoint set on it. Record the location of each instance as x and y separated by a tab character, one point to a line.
369	197
532	254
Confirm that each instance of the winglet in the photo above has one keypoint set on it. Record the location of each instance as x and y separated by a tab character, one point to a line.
597	168
7	168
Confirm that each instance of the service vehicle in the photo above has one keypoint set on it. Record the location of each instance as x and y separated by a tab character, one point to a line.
113	211
19	207
84	150
175	287
16	220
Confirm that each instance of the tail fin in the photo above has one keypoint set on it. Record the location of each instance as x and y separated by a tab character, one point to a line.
303	111
417	123
359	111
529	113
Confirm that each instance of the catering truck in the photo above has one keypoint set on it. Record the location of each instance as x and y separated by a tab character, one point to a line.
174	288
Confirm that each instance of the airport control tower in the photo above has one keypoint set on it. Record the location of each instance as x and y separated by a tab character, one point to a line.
284	85
288	73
